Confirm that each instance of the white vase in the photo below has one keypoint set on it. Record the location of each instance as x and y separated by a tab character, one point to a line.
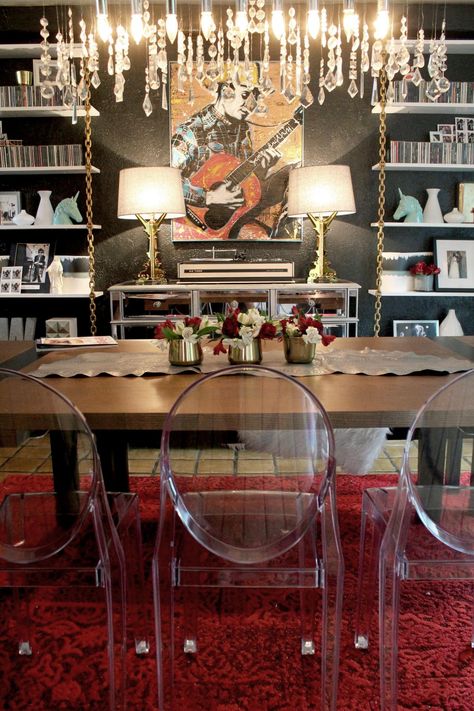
432	212
45	212
454	217
23	219
451	326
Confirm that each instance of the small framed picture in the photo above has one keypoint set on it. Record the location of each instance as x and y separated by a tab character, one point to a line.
9	206
455	258
39	78
436	137
426	329
466	201
34	258
10	280
447	130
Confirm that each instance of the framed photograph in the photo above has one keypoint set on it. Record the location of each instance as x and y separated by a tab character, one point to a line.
447	130
75	274
34	258
235	187
38	78
424	329
455	258
9	207
436	137
466	201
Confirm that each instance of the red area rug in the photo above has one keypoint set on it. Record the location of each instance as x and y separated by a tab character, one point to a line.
249	658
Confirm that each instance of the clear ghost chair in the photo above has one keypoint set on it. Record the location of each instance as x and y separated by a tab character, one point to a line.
423	529
58	527
248	500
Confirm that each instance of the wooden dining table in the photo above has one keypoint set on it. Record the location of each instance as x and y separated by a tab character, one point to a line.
116	406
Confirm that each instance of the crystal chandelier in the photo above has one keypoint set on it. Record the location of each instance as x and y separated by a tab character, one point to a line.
233	40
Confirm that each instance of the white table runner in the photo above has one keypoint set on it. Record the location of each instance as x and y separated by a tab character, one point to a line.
367	361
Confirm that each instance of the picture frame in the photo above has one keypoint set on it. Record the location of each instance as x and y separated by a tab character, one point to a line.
416	327
262	215
10	205
38	79
75	273
466	201
35	258
455	258
436	137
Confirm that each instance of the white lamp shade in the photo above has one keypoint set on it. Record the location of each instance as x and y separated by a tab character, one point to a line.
321	190
149	192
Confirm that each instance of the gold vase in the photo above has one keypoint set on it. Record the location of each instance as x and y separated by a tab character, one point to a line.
297	351
251	354
184	353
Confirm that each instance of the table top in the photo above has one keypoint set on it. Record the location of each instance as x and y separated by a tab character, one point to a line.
134	403
17	354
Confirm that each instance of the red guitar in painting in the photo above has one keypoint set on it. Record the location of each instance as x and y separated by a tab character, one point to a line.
217	220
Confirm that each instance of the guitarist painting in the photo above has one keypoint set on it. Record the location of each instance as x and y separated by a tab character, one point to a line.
235	166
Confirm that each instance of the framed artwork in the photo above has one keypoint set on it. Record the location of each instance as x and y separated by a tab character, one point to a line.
9	206
426	329
396	275
38	78
455	258
466	201
34	258
10	280
235	148
75	274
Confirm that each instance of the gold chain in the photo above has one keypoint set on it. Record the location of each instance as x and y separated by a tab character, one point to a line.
89	211
381	209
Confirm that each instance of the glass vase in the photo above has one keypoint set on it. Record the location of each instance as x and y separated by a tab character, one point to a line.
251	354
184	353
297	351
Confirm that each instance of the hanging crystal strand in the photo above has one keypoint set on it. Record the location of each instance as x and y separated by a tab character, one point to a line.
418	58
81	87
199	76
306	97
364	57
392	60
330	78
189	70
181	61
93	62
403	56
147	28
267	84
432	91
220	53
121	42
110	61
70	90
252	27
443	82
162	62
47	89
260	16
321	94
153	78
339	75
298	83
282	62
62	73
147	105
247	70
324	26
376	65
352	89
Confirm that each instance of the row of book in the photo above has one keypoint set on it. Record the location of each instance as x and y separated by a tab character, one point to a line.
436	153
40	156
15	96
459	92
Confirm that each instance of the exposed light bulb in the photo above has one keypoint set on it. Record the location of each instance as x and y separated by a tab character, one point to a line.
207	24
171	27
313	23
382	24
103	27
241	21
136	28
278	23
348	17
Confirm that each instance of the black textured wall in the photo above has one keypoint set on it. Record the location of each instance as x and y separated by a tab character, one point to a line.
342	131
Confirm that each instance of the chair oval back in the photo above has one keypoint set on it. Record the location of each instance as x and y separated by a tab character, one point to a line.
46	446
438	463
247	456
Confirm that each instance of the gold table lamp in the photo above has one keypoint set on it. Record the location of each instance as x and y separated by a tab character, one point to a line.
320	192
151	195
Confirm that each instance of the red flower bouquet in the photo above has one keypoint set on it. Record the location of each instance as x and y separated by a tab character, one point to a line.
309	328
238	329
423	269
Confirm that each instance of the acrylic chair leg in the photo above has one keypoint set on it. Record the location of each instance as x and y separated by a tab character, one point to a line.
22	622
332	592
389	601
190	645
367	575
117	640
307	621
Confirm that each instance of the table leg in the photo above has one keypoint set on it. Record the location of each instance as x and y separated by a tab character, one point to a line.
112	446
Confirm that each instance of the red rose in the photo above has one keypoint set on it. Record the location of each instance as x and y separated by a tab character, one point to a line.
194	322
267	330
230	327
326	339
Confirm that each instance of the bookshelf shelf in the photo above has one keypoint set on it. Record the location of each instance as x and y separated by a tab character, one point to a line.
33	295
14	228
48	170
441	294
422	107
459	167
42	112
428	225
